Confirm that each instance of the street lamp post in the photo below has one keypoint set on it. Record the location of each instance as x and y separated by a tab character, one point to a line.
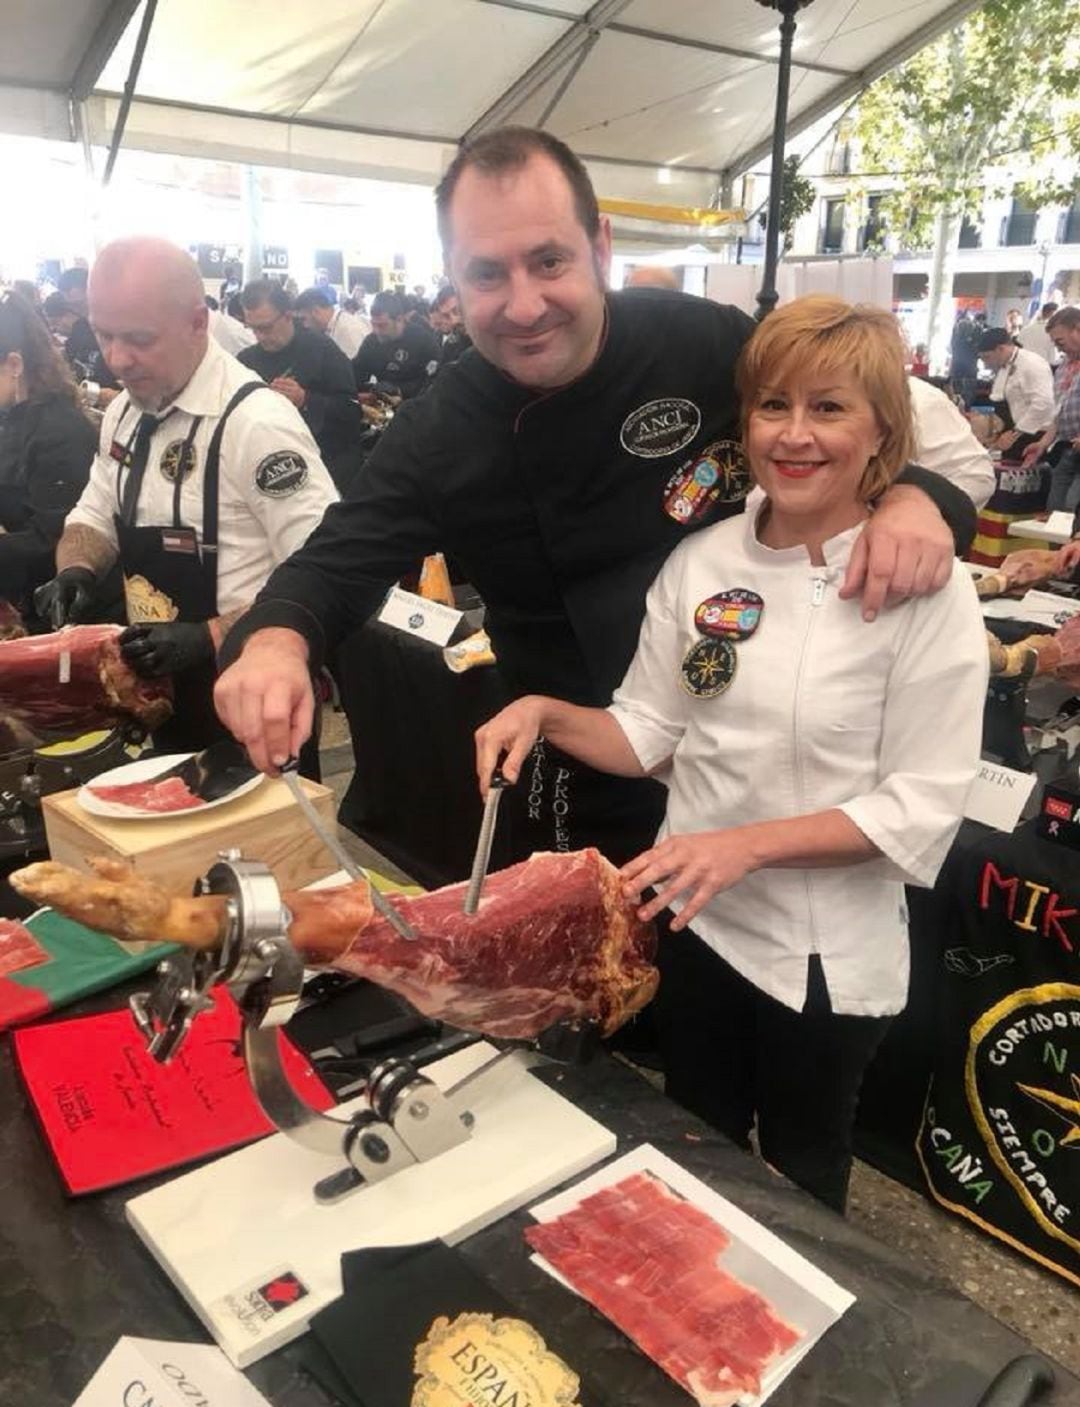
767	296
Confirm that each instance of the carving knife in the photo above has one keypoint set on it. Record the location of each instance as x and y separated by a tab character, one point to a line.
482	857
291	779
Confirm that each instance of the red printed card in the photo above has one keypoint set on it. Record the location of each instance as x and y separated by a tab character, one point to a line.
111	1114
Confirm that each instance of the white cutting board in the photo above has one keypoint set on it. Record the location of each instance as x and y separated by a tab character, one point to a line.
229	1230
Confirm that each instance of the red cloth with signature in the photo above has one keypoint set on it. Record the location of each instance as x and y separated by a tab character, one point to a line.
111	1114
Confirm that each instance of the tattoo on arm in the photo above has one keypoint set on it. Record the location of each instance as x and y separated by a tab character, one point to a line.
221	625
83	546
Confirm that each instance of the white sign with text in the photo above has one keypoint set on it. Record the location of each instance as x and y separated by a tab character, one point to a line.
998	795
416	615
153	1373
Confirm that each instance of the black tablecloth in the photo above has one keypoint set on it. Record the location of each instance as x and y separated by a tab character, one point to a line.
74	1278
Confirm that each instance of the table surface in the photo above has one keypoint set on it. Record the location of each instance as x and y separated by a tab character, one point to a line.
74	1277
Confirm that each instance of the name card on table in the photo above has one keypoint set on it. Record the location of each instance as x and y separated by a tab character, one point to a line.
998	795
430	620
153	1373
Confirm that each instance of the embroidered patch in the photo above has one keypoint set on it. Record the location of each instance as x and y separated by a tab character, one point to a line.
730	615
660	427
281	474
171	456
708	668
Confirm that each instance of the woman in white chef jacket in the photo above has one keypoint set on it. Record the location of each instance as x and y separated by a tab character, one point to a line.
815	761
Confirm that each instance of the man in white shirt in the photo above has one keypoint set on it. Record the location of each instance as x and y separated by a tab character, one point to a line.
1022	394
204	481
318	314
946	443
1035	337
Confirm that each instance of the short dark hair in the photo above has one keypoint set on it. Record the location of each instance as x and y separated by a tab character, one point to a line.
508	149
993	337
56	305
72	278
444	295
1049	309
265	290
388	304
1064	317
311	298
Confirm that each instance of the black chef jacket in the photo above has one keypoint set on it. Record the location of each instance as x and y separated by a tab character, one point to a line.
330	412
46	448
404	366
85	357
560	508
454	344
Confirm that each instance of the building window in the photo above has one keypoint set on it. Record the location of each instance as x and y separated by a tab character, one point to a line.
872	234
832	233
1069	224
1018	227
970	234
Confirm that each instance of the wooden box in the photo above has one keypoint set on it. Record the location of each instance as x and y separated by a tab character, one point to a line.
265	825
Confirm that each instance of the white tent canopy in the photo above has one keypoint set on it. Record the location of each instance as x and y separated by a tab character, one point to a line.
654	93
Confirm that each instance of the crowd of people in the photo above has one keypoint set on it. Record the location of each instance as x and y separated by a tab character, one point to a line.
718	561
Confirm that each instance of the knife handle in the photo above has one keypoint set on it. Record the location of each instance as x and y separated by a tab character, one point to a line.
1019	1383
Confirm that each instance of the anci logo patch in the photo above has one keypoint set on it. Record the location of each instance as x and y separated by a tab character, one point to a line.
660	427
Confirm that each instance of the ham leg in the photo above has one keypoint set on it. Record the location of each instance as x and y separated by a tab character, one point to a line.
554	939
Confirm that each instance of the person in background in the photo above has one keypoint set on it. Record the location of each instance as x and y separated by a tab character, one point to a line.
1014	322
81	347
226	331
29	292
317	313
945	443
813	764
46	449
203	481
447	322
323	284
1036	338
1022	393
652	276
400	358
964	362
309	371
1060	445
920	360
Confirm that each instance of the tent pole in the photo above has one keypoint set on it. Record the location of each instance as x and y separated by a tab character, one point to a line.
129	90
767	296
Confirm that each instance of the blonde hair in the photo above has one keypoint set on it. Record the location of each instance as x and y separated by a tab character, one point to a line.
817	335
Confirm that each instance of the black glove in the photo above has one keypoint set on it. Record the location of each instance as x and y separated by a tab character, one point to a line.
66	598
168	647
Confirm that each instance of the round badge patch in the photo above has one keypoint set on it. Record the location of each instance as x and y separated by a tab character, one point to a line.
717	475
281	474
171	457
660	427
708	668
730	615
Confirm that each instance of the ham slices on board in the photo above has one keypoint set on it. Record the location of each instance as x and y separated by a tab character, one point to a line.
648	1260
157	798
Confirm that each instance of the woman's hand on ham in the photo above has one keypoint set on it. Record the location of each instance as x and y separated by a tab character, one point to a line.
906	549
702	865
513	732
266	700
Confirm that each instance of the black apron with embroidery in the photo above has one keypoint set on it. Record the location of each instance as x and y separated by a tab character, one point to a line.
172	562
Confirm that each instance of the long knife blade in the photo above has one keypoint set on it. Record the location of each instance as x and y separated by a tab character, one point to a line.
482	858
291	779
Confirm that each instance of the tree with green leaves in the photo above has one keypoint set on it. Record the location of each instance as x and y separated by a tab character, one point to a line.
999	92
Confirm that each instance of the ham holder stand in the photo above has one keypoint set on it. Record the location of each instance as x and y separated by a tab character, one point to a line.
409	1161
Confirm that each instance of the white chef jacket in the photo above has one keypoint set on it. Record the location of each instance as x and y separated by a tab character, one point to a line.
946	443
1026	383
348	330
881	720
229	333
263	516
1035	338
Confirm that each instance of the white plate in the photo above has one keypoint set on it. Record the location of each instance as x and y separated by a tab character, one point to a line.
144	771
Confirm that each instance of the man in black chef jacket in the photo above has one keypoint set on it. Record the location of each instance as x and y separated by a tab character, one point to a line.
307	369
559	466
397	356
203	482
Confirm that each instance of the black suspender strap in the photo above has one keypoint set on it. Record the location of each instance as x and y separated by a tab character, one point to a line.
211	475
